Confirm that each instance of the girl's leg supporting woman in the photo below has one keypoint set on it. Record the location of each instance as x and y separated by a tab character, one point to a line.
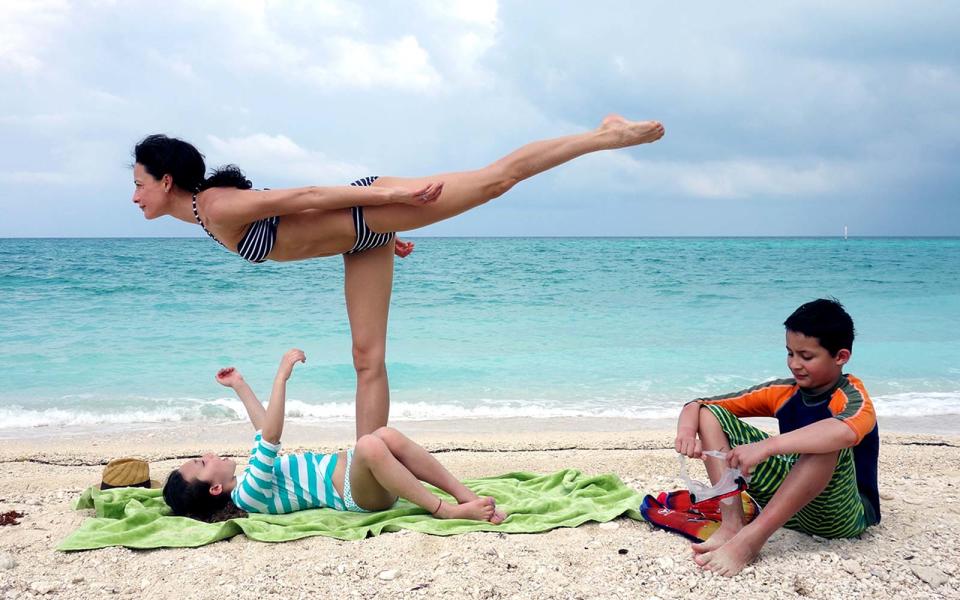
368	282
469	189
387	464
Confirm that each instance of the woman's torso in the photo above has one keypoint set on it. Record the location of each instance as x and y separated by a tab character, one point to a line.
306	234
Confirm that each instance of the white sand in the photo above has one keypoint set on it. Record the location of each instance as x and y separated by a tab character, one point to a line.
913	553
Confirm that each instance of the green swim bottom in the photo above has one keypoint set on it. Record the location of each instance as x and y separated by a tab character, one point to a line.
838	512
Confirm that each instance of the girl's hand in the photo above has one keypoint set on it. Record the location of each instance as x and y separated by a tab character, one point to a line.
229	377
402	248
289	359
425	195
688	444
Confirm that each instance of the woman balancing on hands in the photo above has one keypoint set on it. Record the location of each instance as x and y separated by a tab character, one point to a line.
358	221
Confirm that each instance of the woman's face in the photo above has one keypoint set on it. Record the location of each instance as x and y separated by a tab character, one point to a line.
149	193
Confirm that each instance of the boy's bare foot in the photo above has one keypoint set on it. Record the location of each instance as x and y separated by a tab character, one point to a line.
481	509
729	559
631	133
719	538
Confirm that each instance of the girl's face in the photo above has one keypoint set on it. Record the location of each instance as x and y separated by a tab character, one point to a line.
209	468
149	193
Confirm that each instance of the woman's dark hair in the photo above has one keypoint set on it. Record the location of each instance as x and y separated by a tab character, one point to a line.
826	320
193	499
161	155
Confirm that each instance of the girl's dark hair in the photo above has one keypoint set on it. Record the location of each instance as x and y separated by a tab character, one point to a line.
161	155
193	499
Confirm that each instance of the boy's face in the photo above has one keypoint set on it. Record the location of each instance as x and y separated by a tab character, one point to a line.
811	364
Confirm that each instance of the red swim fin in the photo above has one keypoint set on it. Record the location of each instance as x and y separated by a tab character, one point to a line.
680	500
692	526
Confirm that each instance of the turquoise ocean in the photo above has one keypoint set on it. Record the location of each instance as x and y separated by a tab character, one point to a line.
131	331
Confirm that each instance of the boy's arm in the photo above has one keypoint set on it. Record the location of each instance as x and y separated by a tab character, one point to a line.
231	378
824	436
273	421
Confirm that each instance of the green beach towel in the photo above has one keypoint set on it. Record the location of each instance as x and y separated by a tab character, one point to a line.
139	518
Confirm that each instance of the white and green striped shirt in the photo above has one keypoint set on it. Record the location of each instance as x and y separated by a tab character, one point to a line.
282	484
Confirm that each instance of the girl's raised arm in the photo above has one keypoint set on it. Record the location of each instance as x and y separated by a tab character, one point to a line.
233	206
231	378
273	422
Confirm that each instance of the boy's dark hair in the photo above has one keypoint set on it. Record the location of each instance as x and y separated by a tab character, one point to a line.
826	320
193	499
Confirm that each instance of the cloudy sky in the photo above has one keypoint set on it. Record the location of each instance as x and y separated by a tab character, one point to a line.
781	118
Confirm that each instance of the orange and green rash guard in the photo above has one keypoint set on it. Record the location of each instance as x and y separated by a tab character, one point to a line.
847	400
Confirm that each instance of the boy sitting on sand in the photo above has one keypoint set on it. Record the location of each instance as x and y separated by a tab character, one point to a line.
819	476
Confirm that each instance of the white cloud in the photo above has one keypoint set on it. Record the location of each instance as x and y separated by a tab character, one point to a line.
282	157
754	178
32	177
27	28
350	63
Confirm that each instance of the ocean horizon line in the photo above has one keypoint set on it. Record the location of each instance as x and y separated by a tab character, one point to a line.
546	237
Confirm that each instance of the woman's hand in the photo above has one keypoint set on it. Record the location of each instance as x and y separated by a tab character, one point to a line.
289	359
688	444
426	195
402	248
229	377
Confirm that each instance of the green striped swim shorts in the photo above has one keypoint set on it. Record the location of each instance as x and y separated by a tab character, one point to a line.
838	512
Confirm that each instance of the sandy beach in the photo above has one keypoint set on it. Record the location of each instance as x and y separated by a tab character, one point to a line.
913	553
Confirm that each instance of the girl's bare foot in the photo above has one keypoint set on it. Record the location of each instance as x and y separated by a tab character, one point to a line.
481	509
630	133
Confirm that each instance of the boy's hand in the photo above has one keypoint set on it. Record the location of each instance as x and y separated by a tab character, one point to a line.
688	444
747	457
289	359
229	377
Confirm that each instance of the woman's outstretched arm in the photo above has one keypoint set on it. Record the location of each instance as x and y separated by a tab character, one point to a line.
232	206
231	378
273	422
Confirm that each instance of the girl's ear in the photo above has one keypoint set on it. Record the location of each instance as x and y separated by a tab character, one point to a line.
216	490
167	182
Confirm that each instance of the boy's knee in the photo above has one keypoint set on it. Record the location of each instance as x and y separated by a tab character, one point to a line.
708	419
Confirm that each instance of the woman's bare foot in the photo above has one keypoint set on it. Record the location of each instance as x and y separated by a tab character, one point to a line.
631	133
481	509
730	558
719	538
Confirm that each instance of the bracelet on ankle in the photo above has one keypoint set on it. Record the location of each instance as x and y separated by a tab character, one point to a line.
438	507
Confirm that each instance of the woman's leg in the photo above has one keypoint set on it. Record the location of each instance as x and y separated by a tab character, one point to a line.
368	281
377	478
469	189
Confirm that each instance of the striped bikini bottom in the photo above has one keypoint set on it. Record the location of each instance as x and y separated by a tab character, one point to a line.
366	239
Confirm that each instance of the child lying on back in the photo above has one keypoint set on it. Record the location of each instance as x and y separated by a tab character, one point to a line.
383	466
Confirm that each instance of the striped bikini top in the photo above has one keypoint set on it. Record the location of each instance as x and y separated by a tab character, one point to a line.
256	243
